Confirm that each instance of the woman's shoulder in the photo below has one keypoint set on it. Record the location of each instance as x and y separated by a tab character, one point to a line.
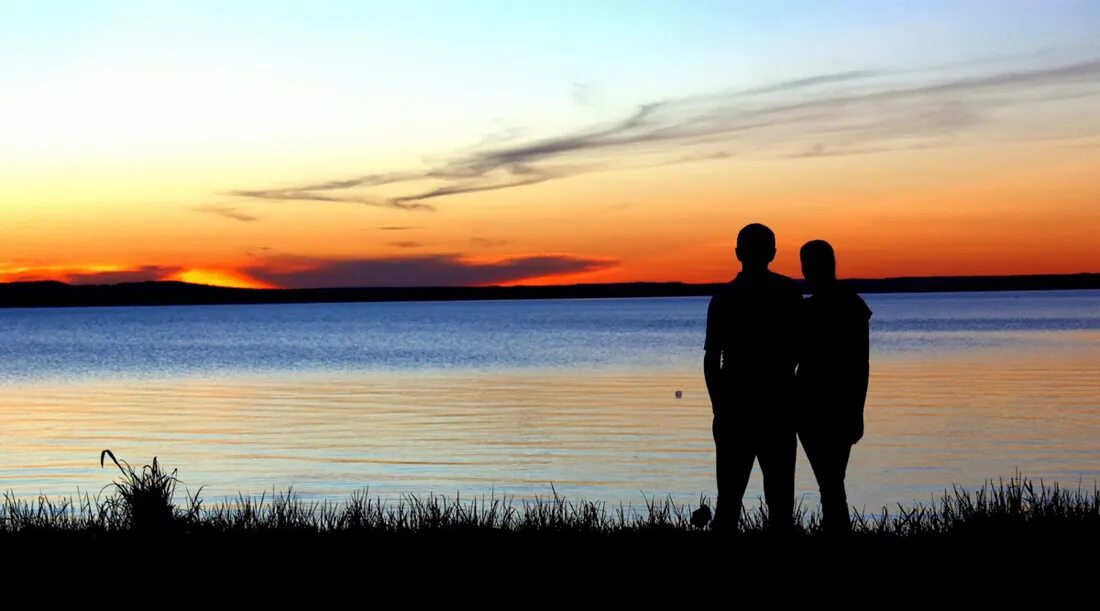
840	301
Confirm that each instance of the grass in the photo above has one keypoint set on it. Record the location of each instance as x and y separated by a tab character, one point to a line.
141	504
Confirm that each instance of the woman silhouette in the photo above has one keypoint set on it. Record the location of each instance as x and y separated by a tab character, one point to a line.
831	379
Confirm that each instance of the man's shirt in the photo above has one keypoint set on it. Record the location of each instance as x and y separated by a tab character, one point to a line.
753	321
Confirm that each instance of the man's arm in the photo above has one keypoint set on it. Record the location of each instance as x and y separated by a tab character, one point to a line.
712	356
712	369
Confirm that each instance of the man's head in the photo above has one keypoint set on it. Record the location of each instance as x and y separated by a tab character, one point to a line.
818	263
755	247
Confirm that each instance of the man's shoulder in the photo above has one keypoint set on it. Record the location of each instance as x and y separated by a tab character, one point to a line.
783	284
771	282
781	280
724	290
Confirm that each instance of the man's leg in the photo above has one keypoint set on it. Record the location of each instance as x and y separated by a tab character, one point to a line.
733	466
777	459
828	456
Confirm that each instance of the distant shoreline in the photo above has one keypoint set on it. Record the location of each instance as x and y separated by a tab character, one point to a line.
59	294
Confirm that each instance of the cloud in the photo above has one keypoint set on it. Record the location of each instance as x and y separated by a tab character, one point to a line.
396	228
618	206
405	244
488	242
421	270
702	157
859	111
817	150
820	150
504	134
812	81
226	211
311	193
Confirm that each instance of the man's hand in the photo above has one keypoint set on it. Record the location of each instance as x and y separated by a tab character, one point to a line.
712	372
855	429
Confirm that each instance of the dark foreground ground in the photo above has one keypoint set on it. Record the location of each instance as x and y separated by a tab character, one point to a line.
1012	543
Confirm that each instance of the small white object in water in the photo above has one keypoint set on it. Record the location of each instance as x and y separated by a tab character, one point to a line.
679	394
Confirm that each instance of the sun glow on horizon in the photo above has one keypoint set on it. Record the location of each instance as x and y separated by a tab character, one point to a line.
223	277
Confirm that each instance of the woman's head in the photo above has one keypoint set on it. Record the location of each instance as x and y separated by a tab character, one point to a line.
818	263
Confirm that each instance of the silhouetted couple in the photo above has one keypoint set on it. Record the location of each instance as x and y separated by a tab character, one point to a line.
778	366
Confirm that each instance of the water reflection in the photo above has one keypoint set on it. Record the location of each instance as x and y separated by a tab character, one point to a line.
610	434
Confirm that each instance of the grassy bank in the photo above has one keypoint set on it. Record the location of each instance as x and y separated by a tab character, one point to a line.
143	503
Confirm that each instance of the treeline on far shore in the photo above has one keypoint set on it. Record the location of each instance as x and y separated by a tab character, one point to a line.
59	294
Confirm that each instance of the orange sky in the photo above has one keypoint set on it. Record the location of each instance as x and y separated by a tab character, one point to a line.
967	210
976	209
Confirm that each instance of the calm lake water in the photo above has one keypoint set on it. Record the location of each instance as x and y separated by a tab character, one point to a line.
511	396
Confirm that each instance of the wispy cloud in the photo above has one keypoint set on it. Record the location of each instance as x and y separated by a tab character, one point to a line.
228	212
316	193
421	270
863	111
405	244
488	242
811	81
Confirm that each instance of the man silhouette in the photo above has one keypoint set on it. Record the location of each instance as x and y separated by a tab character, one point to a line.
749	368
832	378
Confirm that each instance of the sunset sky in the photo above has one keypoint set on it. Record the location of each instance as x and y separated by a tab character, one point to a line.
297	144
